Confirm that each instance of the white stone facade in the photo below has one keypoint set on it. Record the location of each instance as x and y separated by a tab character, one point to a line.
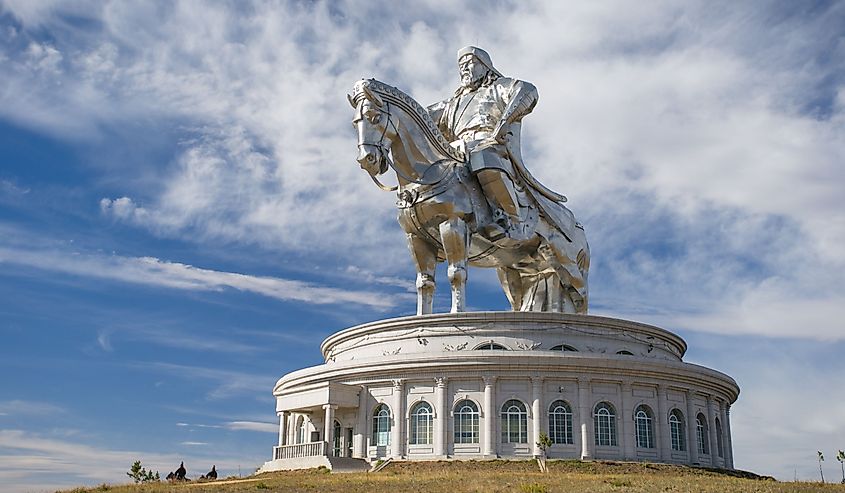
486	384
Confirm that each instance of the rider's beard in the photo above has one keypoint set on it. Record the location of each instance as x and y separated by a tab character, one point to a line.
468	82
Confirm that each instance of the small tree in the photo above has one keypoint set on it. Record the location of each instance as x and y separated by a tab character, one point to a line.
544	443
821	459
841	458
140	474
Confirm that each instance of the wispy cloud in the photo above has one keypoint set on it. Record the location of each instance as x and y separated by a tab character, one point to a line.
32	462
253	426
227	384
155	272
721	137
28	408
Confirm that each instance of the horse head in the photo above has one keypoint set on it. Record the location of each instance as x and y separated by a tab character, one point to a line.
375	131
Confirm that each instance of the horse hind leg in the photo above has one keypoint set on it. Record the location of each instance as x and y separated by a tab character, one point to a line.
425	260
455	239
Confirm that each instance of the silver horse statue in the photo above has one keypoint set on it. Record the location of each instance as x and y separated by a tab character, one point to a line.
444	213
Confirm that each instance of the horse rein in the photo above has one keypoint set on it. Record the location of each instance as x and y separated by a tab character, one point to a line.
384	153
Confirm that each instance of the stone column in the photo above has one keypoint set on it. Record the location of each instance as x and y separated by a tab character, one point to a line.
440	422
711	428
692	443
328	428
283	421
292	431
359	439
661	424
489	447
729	448
723	437
397	432
536	412
585	418
629	450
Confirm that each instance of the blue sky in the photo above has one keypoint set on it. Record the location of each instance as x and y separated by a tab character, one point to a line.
182	220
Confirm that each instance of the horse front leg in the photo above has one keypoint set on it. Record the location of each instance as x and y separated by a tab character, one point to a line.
425	260
455	239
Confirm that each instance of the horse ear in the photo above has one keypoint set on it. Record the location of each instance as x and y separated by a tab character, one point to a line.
351	101
373	96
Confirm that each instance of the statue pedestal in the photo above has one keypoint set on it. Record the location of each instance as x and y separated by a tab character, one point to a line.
486	384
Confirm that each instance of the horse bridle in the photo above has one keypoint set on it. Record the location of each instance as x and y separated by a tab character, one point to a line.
384	154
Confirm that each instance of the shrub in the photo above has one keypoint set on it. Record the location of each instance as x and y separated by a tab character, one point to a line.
140	474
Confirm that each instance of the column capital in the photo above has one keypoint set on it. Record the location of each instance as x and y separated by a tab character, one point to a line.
398	383
440	381
537	380
489	380
329	406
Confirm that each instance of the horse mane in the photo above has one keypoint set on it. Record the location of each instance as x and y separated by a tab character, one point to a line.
413	109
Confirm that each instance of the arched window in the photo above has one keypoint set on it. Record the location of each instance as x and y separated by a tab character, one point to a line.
563	347
301	429
645	426
677	430
466	422
560	423
491	345
701	434
719	438
336	438
381	425
421	419
604	417
625	352
514	422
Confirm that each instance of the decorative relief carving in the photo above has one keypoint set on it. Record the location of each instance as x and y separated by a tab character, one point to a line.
459	347
528	347
388	352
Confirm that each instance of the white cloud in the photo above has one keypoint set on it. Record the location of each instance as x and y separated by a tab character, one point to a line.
33	462
663	113
226	384
253	426
156	272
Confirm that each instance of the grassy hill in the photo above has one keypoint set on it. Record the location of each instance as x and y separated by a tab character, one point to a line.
494	476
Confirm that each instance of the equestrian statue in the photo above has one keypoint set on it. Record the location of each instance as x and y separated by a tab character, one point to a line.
464	194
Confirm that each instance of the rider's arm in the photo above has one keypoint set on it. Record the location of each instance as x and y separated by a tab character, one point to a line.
521	98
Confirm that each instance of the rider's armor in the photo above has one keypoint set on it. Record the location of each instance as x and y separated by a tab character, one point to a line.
472	118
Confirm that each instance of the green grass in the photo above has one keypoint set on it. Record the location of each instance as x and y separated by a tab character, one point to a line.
495	476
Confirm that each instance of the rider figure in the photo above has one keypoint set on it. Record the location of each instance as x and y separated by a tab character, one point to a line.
484	118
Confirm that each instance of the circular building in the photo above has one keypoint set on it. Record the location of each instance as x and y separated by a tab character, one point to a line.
481	385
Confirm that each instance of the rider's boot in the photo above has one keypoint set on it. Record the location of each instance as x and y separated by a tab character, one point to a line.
499	191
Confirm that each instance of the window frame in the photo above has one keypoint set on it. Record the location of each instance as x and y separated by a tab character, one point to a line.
467	425
644	427
604	425
560	423
701	437
677	430
514	412
420	431
381	437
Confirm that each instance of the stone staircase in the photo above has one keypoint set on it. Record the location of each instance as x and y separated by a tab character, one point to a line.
348	464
